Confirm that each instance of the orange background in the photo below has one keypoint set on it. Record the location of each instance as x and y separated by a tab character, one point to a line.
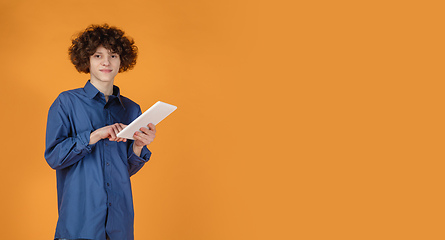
303	120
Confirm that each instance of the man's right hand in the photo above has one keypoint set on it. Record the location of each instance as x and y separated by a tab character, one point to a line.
109	132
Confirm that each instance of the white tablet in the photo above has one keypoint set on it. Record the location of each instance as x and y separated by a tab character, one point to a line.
154	114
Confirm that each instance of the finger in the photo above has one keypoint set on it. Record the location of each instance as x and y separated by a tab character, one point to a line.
136	136
144	130
119	127
152	127
147	136
112	132
115	130
144	139
141	136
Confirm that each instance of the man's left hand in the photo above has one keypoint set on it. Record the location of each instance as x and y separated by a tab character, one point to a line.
143	138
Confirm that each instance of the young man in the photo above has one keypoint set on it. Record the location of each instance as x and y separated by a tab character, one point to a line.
93	166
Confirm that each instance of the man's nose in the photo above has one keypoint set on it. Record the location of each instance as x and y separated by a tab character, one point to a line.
105	61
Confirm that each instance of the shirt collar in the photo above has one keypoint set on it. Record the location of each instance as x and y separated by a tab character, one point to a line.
117	93
92	91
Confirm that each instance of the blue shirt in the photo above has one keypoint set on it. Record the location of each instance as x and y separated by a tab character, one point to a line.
93	181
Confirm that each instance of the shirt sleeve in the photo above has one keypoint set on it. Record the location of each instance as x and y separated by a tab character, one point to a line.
62	148
135	163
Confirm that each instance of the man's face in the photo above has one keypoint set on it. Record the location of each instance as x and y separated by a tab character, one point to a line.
104	65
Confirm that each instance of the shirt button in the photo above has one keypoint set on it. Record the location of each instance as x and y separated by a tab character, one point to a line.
109	204
108	184
106	144
108	164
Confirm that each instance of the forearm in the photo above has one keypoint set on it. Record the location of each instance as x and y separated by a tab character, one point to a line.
137	150
94	138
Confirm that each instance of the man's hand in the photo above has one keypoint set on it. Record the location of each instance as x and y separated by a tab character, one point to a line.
109	132
145	137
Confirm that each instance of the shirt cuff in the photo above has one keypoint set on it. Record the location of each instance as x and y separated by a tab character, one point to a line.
145	155
83	143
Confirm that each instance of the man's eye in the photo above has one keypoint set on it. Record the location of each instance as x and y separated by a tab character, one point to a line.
97	56
114	56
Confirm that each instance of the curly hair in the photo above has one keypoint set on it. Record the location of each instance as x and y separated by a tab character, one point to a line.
110	38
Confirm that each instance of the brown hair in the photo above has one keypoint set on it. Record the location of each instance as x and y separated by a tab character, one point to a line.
110	38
